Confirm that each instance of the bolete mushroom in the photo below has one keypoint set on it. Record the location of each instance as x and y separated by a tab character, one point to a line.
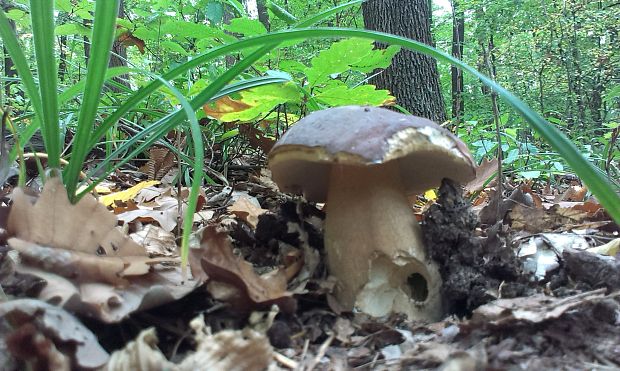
365	162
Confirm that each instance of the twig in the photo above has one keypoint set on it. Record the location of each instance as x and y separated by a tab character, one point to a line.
285	361
320	353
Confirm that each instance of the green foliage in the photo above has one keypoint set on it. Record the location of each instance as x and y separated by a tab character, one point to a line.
352	54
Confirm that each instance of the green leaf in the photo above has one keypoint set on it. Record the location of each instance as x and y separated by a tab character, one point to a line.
377	58
215	12
72	29
281	13
257	102
237	6
246	27
290	65
146	33
9	39
342	95
533	174
173	47
64	5
124	23
351	54
184	29
16	14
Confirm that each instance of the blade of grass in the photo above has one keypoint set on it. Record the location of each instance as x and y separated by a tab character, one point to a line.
325	14
102	39
42	16
596	182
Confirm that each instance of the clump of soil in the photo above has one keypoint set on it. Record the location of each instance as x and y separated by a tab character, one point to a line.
475	270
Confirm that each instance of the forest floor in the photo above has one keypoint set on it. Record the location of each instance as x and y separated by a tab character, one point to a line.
530	281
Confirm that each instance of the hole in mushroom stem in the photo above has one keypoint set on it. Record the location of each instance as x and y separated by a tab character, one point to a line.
419	287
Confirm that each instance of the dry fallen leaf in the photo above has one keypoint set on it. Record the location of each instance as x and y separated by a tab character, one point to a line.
228	350
247	209
156	241
234	278
224	105
256	138
66	332
484	171
532	309
90	267
537	220
610	248
161	160
140	355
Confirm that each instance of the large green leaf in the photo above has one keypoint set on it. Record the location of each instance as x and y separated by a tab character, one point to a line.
339	94
254	103
246	27
73	29
351	54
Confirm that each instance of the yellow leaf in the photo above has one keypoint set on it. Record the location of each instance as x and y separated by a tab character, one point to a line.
102	190
127	194
610	248
430	195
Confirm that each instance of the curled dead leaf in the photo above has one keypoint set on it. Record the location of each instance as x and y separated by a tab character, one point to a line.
484	171
245	290
43	325
90	267
247	209
245	350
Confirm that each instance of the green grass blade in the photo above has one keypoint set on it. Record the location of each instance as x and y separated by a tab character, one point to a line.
102	39
42	15
281	13
325	14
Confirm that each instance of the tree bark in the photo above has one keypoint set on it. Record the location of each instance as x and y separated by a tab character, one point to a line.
458	35
412	78
118	57
9	69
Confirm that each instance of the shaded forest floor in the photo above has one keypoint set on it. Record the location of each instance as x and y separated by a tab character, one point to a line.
530	282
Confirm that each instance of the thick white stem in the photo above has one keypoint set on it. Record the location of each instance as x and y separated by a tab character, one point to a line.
374	245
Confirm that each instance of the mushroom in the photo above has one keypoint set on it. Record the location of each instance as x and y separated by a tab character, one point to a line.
365	162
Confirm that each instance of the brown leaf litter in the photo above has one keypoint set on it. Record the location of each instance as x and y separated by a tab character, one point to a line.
569	318
89	266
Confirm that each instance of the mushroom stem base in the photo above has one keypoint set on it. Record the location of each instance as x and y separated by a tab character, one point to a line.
374	245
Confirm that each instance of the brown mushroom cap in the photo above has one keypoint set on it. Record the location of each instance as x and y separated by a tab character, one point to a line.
302	159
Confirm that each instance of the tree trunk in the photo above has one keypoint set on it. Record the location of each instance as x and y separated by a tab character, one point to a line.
458	35
9	70
62	64
118	57
263	14
251	7
412	78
